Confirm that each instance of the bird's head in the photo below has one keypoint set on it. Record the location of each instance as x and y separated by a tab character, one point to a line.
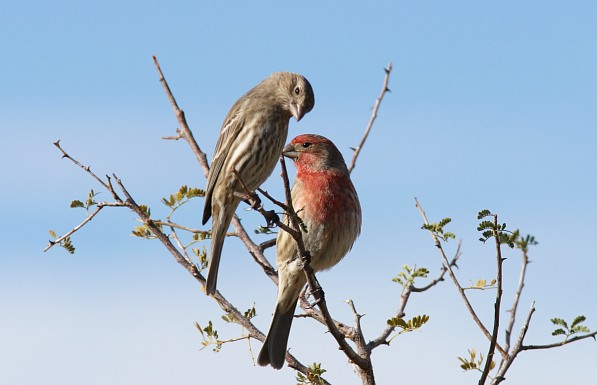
315	153
297	93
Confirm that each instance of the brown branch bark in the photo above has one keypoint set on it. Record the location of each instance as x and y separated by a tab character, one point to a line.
184	129
384	90
557	344
517	293
506	363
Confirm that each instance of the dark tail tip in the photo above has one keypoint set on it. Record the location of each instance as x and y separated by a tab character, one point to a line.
210	285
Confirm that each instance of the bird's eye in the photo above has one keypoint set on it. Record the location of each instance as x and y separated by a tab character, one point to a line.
297	90
306	145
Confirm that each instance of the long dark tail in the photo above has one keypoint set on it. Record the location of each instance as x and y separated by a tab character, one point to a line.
273	351
220	226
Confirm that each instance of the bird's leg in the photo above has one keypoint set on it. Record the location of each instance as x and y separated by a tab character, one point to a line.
252	199
315	289
316	292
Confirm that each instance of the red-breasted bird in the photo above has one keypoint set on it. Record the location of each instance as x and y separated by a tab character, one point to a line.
325	199
250	142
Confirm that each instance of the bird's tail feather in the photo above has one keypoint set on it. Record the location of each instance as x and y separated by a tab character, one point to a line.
273	351
218	234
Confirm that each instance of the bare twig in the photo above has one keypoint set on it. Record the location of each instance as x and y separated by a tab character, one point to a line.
99	207
443	271
184	130
87	170
186	228
384	90
312	312
383	338
181	247
556	344
506	363
457	284
513	309
267	244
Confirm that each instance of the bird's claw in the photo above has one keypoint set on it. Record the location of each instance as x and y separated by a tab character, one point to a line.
271	218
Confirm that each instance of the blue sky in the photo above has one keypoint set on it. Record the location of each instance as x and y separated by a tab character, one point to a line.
492	106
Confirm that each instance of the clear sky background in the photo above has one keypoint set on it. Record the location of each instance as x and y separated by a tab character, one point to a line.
493	105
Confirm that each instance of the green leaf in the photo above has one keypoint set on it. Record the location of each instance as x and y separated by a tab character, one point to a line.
558	332
577	320
559	322
483	213
485	225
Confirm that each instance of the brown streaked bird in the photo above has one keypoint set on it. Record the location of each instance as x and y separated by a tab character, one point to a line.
250	142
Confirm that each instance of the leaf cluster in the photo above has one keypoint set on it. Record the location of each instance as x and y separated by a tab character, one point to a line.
410	325
65	242
313	377
201	256
567	331
143	231
482	284
474	363
407	326
182	196
523	243
248	314
408	276
210	336
492	229
89	202
437	228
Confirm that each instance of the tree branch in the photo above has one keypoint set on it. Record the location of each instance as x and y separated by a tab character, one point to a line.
497	305
384	90
514	308
443	271
555	345
506	363
184	130
456	283
76	228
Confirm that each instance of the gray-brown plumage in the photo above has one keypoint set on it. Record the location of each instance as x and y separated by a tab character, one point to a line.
250	142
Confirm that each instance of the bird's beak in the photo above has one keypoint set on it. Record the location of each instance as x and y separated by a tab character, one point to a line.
297	111
290	152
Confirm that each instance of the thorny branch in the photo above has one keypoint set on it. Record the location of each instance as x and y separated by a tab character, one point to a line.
562	343
497	305
183	260
517	293
384	90
184	131
448	267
